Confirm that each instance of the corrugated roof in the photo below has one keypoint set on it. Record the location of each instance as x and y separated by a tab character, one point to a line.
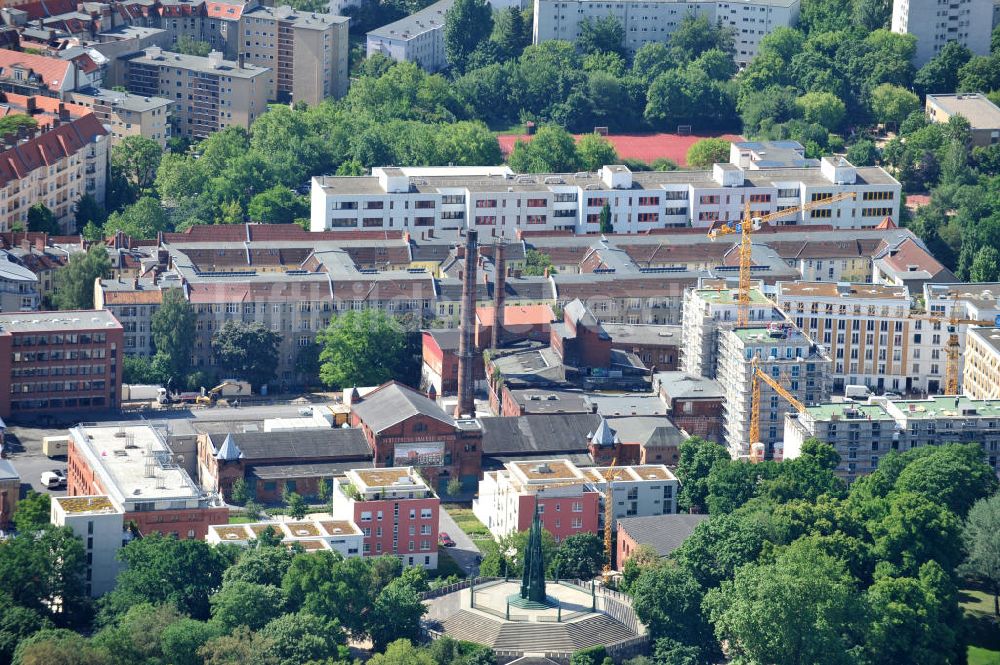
664	533
315	445
392	403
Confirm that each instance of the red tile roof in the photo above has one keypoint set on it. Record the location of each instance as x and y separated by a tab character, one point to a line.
52	71
908	254
224	10
49	147
46	8
151	297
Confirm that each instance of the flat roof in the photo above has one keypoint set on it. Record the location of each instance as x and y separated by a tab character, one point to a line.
387	477
843	290
425	20
133	462
299	19
988	336
641	472
85	505
84	320
848	411
124	100
649	334
198	63
548	470
973	106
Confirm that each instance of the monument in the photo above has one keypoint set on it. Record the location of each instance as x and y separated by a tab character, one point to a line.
532	594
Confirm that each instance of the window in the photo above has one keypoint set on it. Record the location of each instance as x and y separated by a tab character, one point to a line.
577	523
709	199
536	203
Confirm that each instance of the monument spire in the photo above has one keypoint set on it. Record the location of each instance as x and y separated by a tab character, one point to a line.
533	578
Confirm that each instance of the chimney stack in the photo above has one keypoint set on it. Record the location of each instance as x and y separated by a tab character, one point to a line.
499	296
466	349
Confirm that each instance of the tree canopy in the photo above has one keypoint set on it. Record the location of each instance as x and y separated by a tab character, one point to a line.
361	348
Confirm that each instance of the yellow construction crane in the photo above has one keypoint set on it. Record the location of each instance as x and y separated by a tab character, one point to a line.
745	228
609	513
953	349
758	375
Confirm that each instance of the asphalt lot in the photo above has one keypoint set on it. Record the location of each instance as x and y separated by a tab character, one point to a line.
465	551
23	447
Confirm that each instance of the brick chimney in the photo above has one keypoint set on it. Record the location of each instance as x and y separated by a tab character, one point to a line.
499	296
466	348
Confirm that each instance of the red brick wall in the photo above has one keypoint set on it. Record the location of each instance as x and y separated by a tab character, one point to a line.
664	357
187	523
557	514
383	544
625	547
699	417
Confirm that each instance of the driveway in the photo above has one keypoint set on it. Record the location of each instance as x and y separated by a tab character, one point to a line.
23	447
465	551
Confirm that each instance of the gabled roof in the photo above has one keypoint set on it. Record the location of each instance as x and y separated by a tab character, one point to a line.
325	444
547	434
664	533
52	72
392	403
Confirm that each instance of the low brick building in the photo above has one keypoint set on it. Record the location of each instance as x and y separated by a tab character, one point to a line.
60	362
663	533
694	403
405	428
658	347
274	462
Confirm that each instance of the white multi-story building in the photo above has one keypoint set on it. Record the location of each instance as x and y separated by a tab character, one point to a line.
654	21
100	524
981	373
709	309
864	433
935	23
397	198
417	38
314	533
787	355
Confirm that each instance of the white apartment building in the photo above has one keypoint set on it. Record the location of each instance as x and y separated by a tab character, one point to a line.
981	369
652	21
392	198
314	533
708	310
18	285
936	22
417	38
788	356
864	433
637	491
100	524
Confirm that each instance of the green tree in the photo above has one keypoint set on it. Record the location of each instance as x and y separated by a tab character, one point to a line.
16	624
181	640
41	219
454	487
260	565
720	545
697	456
645	556
893	104
360	348
136	636
141	370
580	556
327	585
248	351
190	46
33	512
278	205
667	651
241	647
402	652
173	330
304	638
467	144
9	124
395	614
800	609
955	476
240	493
695	34
982	542
536	263
136	158
296	505
668	600
552	150
822	108
595	151
467	24
511	33
606	225
915	530
142	219
706	152
59	646
940	73
44	572
161	569
88	211
602	35
986	265
863	153
246	604
664	164
590	656
74	283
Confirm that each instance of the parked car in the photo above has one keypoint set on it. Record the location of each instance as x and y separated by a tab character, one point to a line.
54	479
892	395
445	540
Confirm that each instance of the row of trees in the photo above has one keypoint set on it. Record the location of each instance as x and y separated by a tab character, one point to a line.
794	567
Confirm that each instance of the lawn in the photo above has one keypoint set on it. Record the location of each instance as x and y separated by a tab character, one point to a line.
239	519
467	521
982	626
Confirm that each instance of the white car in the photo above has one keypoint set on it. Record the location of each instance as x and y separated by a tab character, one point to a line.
54	479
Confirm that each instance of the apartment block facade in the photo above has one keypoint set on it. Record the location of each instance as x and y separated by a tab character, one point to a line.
60	362
209	93
786	354
305	51
133	303
396	511
981	368
100	525
935	23
128	115
864	433
417	38
64	158
650	22
390	198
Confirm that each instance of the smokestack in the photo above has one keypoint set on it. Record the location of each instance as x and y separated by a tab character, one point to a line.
499	297
466	349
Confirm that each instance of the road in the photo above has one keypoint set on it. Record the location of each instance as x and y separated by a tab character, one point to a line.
23	447
465	553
